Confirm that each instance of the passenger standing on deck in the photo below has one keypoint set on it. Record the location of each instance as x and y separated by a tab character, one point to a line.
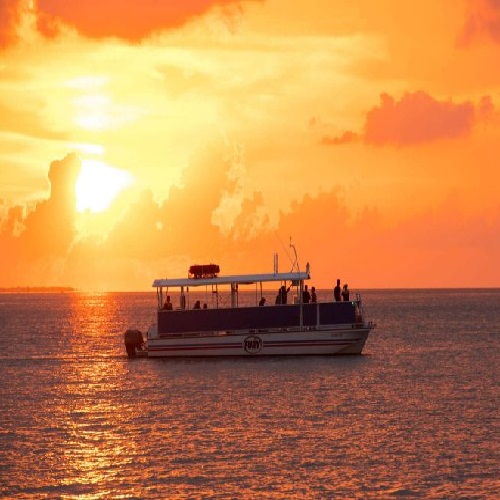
262	301
284	293
197	305
345	293
313	295
167	305
278	297
336	292
306	296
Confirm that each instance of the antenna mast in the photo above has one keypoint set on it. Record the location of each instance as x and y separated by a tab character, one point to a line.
296	261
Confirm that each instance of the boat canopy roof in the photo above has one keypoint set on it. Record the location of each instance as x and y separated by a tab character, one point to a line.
237	278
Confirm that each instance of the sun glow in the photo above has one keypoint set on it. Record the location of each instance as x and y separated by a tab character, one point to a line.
93	111
98	185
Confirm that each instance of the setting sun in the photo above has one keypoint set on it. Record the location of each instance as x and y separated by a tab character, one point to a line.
98	184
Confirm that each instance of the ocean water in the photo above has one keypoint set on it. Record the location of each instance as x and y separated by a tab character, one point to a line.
416	416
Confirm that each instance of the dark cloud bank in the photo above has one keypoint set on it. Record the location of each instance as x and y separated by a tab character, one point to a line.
131	20
415	119
156	239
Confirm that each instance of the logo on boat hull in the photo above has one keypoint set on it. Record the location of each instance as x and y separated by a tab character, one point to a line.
252	344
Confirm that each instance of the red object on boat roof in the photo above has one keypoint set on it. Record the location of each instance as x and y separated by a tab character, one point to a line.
204	271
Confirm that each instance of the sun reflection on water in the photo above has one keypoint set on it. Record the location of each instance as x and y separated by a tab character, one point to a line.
98	425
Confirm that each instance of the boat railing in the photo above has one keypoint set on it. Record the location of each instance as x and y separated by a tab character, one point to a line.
255	317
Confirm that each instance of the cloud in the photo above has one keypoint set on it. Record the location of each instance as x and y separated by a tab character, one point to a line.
166	236
10	17
28	244
49	229
416	119
345	138
13	223
131	20
153	239
156	235
482	21
445	246
27	122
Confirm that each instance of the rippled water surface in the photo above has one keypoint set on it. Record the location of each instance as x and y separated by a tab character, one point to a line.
416	416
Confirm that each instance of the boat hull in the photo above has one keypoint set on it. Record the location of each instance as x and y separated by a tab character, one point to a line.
338	341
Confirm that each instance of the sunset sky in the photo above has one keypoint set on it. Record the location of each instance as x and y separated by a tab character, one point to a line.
140	137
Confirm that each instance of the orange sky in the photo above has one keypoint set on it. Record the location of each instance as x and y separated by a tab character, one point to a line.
138	140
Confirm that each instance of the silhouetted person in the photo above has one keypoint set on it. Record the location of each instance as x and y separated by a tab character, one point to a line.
205	306
262	301
197	305
306	296
284	294
167	305
313	295
345	293
336	292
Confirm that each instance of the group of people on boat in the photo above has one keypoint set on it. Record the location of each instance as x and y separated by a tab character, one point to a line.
197	305
168	304
282	296
309	297
339	294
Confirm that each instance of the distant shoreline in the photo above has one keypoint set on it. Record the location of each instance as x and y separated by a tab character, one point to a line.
37	289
